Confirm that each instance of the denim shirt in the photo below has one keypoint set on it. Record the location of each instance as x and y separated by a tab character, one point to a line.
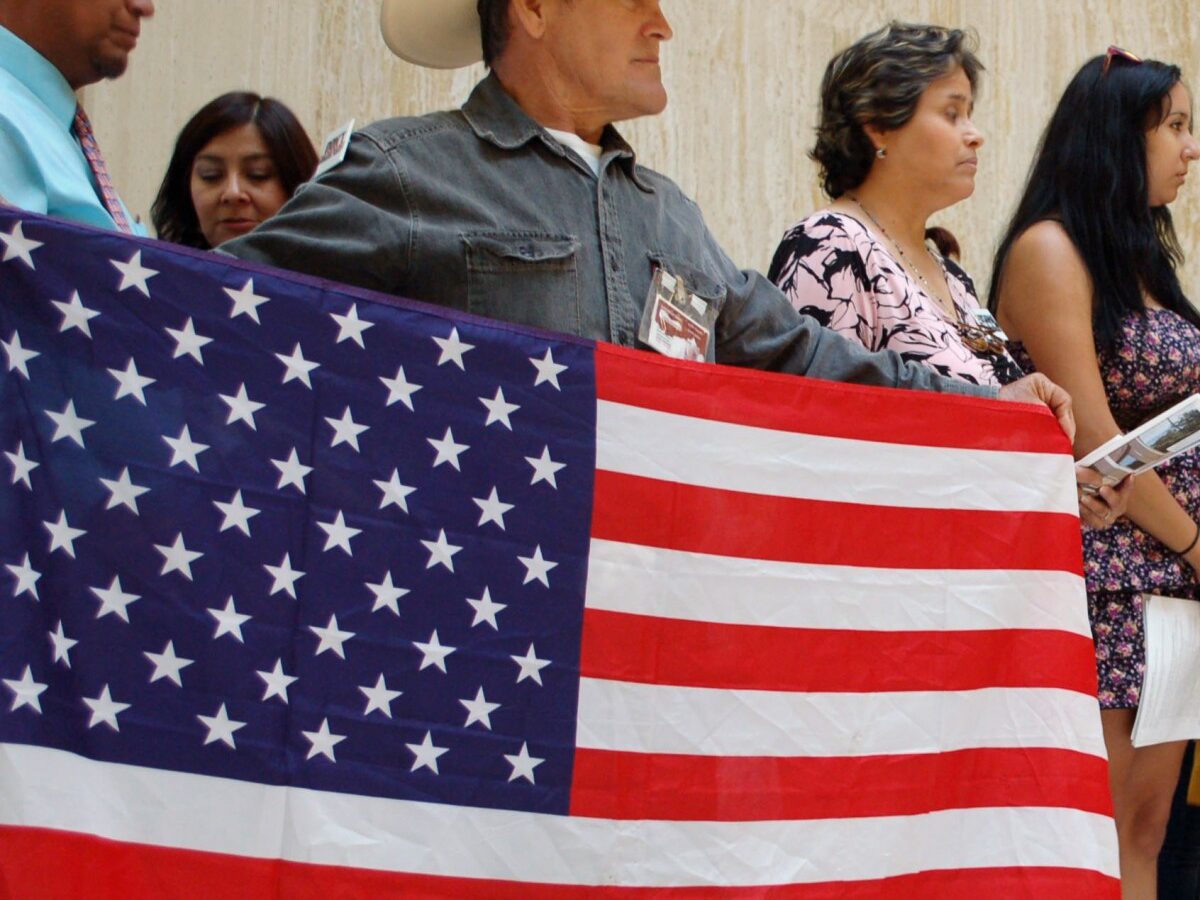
481	210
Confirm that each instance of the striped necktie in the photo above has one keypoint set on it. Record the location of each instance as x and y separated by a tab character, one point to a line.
87	140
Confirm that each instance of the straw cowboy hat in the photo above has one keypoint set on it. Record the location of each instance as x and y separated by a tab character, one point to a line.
437	34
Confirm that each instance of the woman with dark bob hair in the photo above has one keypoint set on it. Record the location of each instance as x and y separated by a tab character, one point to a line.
235	163
895	145
1085	284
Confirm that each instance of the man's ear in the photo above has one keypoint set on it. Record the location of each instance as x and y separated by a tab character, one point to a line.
530	16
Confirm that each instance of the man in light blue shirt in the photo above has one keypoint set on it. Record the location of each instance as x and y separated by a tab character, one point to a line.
48	50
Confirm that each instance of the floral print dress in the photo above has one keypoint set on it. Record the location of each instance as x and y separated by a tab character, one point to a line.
1154	364
833	269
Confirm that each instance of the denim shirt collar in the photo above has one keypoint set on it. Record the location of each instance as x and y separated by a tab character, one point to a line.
497	118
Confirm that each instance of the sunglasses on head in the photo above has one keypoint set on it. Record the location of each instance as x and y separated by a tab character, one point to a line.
1115	52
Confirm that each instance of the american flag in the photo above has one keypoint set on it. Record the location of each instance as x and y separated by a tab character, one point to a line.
309	592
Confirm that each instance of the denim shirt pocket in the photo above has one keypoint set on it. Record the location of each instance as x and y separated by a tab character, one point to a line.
698	279
525	277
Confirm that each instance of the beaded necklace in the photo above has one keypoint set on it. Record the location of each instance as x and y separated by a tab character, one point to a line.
907	263
978	338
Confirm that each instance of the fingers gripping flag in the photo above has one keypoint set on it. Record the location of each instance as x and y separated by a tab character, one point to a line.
309	592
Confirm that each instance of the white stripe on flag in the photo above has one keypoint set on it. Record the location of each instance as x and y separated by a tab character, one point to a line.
43	788
651	718
670	447
703	588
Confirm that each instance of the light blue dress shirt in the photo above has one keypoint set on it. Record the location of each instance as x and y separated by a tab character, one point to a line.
42	166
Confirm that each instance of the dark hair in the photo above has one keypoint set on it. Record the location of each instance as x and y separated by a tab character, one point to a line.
878	80
292	152
493	28
945	241
1089	173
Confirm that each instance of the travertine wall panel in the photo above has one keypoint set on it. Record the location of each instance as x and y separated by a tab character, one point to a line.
742	75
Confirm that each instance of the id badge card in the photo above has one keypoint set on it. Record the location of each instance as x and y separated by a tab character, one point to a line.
675	321
984	319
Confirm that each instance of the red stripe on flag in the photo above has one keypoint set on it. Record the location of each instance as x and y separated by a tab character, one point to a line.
50	865
813	406
615	785
656	513
654	650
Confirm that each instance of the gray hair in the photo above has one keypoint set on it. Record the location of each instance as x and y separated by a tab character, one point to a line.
878	81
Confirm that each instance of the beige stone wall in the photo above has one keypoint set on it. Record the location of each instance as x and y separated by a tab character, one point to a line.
742	75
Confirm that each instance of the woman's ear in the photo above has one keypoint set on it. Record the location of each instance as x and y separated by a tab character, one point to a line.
877	136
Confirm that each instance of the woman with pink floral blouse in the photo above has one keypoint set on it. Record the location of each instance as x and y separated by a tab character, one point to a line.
896	144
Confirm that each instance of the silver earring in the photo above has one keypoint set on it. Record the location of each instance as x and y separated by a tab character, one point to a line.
881	153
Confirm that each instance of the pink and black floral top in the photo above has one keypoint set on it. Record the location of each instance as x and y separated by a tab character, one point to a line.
833	269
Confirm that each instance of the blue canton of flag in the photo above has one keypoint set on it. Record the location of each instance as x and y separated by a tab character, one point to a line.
291	536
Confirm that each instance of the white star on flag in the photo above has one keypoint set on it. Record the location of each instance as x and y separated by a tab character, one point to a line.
486	609
351	327
531	666
544	468
67	424
236	514
75	314
167	664
245	301
131	383
492	509
123	492
433	652
229	621
17	246
523	764
17	356
241	407
23	465
386	594
453	349
426	754
291	471
339	534
547	370
114	600
331	637
345	429
177	557
379	697
134	274
221	728
400	389
27	578
447	450
277	682
62	645
185	450
285	576
499	409
441	551
26	691
479	710
296	367
537	568
322	741
105	709
395	493
62	535
188	343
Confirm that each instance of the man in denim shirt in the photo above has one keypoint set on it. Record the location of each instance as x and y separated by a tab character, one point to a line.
527	205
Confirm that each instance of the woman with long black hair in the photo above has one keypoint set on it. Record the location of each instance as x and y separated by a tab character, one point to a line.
1085	285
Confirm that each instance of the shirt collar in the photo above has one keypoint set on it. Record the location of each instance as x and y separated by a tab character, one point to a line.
497	118
39	75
